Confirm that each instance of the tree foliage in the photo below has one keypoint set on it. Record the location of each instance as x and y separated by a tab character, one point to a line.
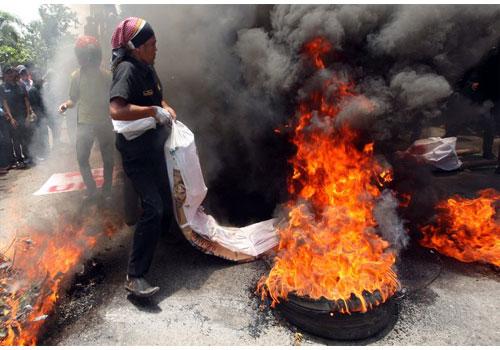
8	32
36	41
11	51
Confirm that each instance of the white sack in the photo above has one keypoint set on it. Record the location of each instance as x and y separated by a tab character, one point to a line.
131	129
181	155
437	151
252	240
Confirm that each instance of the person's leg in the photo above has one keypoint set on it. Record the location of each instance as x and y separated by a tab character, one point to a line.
15	135
129	195
10	147
71	125
55	127
5	145
130	202
148	226
25	139
497	129
162	181
488	125
139	167
105	138
84	142
36	141
43	134
497	170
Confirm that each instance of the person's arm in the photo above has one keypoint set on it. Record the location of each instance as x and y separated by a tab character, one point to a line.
8	115
28	109
169	109
74	93
120	109
65	105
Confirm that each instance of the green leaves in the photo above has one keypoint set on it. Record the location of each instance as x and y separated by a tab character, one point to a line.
38	40
8	32
12	55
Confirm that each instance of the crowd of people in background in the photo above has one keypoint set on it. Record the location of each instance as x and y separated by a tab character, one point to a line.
24	121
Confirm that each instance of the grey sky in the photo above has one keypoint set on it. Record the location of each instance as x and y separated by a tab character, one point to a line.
26	11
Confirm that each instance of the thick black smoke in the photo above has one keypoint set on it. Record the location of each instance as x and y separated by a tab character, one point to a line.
406	58
234	73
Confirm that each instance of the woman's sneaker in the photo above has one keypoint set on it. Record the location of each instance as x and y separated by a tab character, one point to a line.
139	287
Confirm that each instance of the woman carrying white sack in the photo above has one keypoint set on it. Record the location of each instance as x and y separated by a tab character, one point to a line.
136	96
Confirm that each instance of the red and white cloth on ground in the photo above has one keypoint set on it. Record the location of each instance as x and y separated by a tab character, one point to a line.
71	181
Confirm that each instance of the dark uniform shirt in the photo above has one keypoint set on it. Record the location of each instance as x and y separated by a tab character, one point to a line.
36	101
137	83
15	94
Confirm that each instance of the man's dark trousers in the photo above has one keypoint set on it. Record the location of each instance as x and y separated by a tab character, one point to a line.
6	156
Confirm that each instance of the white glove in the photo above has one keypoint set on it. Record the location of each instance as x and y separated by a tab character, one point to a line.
162	116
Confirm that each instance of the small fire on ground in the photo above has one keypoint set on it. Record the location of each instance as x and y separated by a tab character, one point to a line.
467	229
39	264
329	246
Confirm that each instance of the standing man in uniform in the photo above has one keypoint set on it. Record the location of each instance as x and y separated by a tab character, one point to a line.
88	90
17	108
136	93
5	142
24	77
40	142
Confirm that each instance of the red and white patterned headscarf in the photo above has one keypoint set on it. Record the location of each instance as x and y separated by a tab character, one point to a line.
130	33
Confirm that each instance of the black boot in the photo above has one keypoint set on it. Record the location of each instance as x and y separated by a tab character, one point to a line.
139	287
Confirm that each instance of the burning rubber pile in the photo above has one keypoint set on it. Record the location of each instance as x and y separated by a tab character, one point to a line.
467	229
33	277
329	247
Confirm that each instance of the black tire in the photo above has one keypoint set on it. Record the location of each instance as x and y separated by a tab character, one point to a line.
314	319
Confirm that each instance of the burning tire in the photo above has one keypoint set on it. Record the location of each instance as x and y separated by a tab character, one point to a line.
316	317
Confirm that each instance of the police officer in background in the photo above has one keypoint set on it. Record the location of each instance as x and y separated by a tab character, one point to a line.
17	110
136	93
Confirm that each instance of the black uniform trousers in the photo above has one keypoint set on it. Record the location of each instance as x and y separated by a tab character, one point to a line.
144	163
491	126
6	156
21	138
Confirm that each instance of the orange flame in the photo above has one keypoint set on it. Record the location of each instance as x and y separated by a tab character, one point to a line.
466	229
42	262
315	48
329	246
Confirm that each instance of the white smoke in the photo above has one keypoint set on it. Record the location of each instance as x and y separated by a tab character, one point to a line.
390	225
418	91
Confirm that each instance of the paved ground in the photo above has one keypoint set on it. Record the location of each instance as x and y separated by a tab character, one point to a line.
207	301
